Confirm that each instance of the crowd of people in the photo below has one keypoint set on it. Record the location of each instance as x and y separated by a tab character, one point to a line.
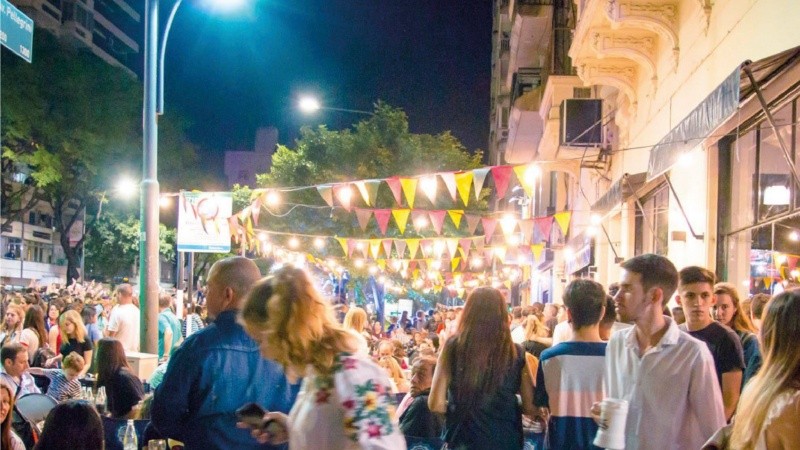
717	371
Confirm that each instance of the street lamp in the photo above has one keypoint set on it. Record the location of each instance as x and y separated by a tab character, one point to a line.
153	104
310	105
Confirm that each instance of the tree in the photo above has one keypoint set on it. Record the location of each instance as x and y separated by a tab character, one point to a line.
113	246
73	123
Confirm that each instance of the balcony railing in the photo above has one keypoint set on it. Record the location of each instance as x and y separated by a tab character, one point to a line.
524	80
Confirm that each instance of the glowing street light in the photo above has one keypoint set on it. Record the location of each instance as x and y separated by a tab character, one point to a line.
310	105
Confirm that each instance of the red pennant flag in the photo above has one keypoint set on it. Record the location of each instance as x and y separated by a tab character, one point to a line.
465	246
501	175
363	216
472	222
545	225
397	190
437	219
382	217
489	225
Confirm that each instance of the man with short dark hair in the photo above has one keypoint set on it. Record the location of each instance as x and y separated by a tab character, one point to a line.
570	375
666	375
15	370
217	370
417	419
696	297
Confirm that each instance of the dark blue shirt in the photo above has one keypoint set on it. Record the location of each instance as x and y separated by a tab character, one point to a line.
217	370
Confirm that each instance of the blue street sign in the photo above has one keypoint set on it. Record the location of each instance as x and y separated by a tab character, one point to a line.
16	31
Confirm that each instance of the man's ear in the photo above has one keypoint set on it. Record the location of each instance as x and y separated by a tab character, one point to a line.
569	314
678	300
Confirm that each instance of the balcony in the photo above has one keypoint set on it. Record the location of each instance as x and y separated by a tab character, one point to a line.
530	36
524	122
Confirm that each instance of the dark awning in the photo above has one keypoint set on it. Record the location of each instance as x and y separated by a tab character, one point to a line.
620	191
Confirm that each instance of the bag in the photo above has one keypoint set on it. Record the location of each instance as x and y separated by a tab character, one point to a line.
41	356
24	429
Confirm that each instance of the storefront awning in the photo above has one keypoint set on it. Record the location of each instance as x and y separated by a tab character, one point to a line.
720	104
620	191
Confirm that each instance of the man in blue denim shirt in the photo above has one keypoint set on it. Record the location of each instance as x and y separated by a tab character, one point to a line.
217	370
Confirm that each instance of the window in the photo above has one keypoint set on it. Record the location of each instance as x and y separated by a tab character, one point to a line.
652	224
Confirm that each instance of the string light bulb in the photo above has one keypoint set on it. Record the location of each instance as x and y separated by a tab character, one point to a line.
273	199
429	186
319	243
294	242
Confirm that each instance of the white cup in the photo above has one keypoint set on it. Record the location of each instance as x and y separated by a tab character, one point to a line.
613	414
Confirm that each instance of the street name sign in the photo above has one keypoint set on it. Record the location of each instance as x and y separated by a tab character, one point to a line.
16	31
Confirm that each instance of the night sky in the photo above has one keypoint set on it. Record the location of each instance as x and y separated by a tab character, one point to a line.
230	74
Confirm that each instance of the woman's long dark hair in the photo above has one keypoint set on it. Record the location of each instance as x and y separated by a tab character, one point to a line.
110	359
74	424
34	319
481	353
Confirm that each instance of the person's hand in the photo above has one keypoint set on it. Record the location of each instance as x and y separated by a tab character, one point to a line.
275	433
595	413
50	363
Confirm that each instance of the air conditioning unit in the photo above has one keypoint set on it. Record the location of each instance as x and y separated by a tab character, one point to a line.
581	123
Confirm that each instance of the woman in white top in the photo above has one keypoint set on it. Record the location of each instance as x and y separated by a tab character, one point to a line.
769	409
355	321
11	329
34	334
345	401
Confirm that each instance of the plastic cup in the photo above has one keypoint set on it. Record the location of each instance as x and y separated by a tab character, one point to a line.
613	415
157	444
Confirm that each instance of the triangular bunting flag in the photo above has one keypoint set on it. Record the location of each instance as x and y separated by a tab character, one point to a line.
387	247
344	194
527	230
419	219
792	262
501	176
508	225
382	264
500	253
452	246
429	186
454	263
479	244
255	210
437	219
463	264
394	185
363	216
463	182
544	224
326	192
455	216
536	251
368	190
525	181
382	217
401	218
235	228
413	245
472	222
478	178
374	247
351	246
562	219
362	189
409	189
427	247
449	179
489	225
400	247
465	244
461	292
343	243
767	282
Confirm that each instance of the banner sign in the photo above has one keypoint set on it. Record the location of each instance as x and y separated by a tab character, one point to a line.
16	31
203	225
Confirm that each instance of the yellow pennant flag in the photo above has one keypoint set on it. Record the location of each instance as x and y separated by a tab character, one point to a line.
413	245
767	282
562	219
507	284
463	183
461	292
343	243
382	264
454	262
455	216
374	247
537	251
525	181
410	189
401	218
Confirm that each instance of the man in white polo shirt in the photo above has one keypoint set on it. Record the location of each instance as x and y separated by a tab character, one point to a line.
666	375
123	324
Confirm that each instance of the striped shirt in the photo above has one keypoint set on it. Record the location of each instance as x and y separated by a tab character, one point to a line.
60	388
569	381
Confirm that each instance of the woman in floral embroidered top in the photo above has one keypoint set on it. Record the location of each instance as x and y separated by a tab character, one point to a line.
345	400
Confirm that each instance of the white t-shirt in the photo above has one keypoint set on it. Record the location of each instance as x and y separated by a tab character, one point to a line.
562	333
124	320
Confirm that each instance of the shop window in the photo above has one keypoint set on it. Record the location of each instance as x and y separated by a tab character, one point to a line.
774	177
744	183
652	224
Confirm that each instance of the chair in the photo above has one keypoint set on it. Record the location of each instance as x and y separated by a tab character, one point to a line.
35	407
419	443
114	429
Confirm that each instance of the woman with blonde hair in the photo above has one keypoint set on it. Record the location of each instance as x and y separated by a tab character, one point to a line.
769	409
73	339
536	340
728	312
355	322
345	400
399	382
11	330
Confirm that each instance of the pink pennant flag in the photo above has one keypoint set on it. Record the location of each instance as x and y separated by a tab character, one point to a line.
400	247
363	216
449	179
382	217
479	244
351	246
397	190
427	247
501	175
437	219
344	194
465	244
527	226
489	225
472	222
387	247
544	224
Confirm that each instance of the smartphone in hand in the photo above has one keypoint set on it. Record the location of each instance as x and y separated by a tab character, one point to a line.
253	415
